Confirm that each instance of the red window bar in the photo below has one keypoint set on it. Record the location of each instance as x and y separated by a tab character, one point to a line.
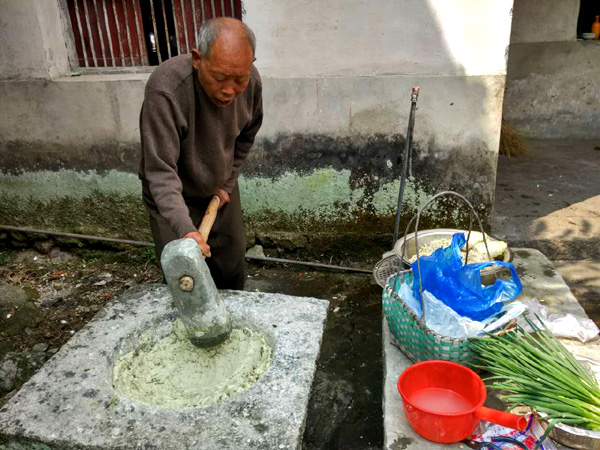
120	33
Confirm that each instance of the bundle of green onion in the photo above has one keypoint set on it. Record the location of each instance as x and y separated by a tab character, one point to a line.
539	372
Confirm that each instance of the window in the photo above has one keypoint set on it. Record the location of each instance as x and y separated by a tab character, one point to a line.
121	33
587	14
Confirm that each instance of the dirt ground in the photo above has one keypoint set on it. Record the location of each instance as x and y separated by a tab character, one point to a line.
61	291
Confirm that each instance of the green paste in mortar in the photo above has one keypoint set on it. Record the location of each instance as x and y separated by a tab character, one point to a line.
172	373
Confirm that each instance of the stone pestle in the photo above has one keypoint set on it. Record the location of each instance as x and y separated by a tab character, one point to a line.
195	294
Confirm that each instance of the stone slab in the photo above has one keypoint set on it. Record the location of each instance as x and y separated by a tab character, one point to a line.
541	281
71	404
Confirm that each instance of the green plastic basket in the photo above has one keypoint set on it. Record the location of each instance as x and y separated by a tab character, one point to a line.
413	337
409	332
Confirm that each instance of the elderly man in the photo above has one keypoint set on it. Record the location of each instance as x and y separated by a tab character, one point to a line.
200	115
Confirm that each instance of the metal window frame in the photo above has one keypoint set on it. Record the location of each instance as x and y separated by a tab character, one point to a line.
73	57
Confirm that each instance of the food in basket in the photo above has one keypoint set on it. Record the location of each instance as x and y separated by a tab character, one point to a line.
475	244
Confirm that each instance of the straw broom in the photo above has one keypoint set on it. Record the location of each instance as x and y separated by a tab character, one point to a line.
511	142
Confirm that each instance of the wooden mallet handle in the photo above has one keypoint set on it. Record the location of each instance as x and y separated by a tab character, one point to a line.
209	217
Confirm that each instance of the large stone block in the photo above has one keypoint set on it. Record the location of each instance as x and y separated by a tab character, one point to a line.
71	403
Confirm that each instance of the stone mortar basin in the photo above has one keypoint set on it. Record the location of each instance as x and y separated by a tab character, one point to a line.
71	402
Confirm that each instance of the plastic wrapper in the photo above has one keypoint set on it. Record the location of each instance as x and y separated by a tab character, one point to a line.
562	325
485	431
447	322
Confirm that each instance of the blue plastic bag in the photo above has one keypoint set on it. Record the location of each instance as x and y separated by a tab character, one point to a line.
459	287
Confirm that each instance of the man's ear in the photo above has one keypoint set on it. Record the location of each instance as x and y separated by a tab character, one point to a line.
196	58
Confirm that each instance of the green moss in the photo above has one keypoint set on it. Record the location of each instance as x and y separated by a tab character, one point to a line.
320	202
4	258
100	214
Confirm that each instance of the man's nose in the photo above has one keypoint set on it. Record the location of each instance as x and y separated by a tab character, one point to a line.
228	90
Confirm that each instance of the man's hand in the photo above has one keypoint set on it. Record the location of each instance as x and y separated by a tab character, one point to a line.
195	235
223	196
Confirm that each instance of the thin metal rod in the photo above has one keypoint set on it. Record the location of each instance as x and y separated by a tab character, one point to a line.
150	244
122	54
84	51
187	41
232	9
87	22
128	32
223	8
176	27
76	236
307	263
214	10
166	28
110	46
155	32
407	150
100	33
138	28
203	9
195	24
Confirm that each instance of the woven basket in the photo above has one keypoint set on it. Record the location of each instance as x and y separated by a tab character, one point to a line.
409	332
413	337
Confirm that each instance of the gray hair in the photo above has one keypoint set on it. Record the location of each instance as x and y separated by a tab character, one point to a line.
210	31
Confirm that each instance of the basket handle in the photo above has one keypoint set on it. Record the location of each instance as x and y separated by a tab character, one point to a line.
418	216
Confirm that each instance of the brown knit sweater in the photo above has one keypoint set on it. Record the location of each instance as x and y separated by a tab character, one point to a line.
190	146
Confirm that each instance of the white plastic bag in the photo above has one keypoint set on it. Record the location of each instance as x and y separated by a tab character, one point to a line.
562	325
440	318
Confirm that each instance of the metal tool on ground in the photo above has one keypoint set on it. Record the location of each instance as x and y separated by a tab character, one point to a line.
406	167
194	291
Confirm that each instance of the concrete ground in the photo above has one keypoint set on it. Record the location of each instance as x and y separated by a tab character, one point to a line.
550	200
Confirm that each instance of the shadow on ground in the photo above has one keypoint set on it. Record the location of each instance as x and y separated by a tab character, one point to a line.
551	195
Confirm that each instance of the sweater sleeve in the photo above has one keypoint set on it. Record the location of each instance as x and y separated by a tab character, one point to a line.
160	148
244	141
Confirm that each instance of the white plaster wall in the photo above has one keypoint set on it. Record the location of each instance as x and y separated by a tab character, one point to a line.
73	111
33	40
544	21
313	38
553	90
20	53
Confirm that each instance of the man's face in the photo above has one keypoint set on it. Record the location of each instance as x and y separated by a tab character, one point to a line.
225	74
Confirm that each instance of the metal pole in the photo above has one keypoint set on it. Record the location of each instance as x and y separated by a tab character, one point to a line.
87	22
112	54
121	55
85	58
155	32
128	32
139	29
176	28
195	24
100	33
166	28
187	41
407	149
